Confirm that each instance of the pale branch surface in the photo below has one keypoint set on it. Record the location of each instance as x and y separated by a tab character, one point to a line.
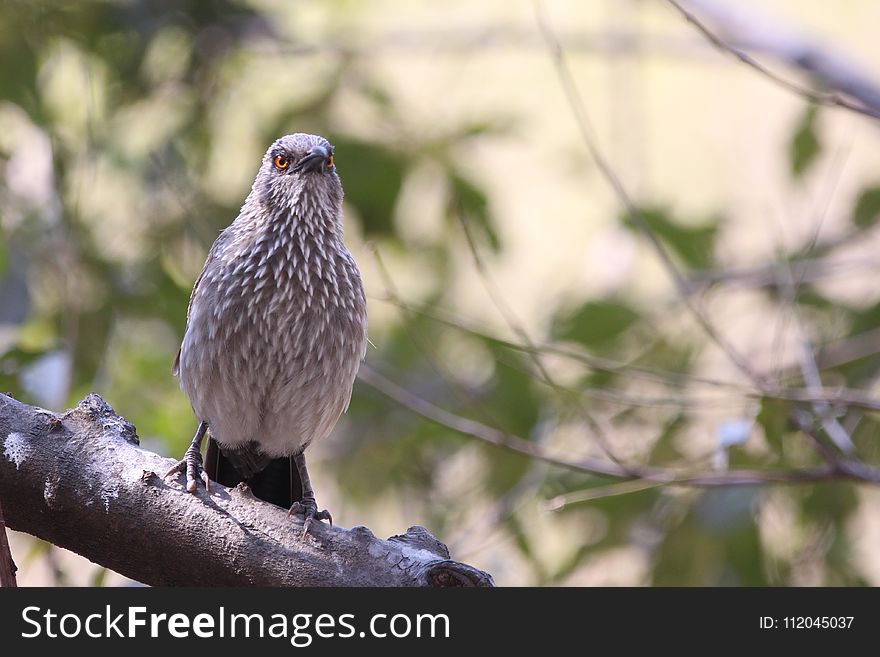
80	480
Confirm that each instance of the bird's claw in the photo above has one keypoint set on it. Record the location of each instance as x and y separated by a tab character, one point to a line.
308	509
192	464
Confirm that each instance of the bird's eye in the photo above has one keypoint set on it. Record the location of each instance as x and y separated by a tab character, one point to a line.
281	162
330	161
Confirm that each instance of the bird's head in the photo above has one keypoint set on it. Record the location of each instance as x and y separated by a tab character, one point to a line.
298	174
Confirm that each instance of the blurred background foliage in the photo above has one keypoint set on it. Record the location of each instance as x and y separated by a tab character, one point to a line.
130	132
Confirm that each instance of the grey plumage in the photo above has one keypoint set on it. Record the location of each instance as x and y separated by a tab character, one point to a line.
277	321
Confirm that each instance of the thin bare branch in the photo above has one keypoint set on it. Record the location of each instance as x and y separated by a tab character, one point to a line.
807	362
591	361
461	40
769	275
830	99
599	467
844	352
766	387
560	502
567	396
420	343
810	371
850	349
578	109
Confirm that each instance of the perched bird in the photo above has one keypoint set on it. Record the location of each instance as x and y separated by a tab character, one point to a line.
276	330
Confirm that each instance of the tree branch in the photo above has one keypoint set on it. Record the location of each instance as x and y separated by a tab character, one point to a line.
682	286
841	468
830	68
850	467
7	565
81	481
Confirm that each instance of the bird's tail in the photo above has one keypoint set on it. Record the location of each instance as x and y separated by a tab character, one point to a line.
278	482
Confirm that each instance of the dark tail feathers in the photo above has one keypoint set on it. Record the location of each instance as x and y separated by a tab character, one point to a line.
277	483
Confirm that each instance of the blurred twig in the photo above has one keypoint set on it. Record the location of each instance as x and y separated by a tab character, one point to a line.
465	40
513	323
601	393
808	270
597	493
578	110
576	104
813	380
837	354
850	349
439	368
807	361
841	469
597	363
813	61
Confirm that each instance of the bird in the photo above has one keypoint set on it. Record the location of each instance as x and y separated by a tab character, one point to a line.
275	333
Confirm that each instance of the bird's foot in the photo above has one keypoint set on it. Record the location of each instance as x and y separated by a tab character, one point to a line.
307	507
192	464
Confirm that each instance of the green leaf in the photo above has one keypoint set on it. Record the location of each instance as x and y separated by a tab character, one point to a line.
478	128
666	448
373	176
665	353
12	362
474	205
597	323
773	417
521	540
513	393
805	145
865	438
867	209
864	320
99	577
716	544
694	244
831	507
809	296
832	502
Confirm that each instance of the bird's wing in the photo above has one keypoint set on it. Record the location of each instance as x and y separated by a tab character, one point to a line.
218	244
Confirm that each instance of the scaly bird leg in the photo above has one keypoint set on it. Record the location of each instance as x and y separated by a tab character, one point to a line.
192	462
307	506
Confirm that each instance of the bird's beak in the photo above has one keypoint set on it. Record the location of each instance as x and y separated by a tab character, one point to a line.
316	160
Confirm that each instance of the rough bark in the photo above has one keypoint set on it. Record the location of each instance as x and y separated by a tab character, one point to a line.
80	480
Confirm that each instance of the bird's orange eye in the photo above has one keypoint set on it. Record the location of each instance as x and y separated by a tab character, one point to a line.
281	162
330	161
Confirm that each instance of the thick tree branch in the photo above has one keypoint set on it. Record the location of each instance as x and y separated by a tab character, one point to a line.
7	565
81	481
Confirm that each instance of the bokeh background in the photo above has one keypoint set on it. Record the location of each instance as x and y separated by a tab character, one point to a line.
506	283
